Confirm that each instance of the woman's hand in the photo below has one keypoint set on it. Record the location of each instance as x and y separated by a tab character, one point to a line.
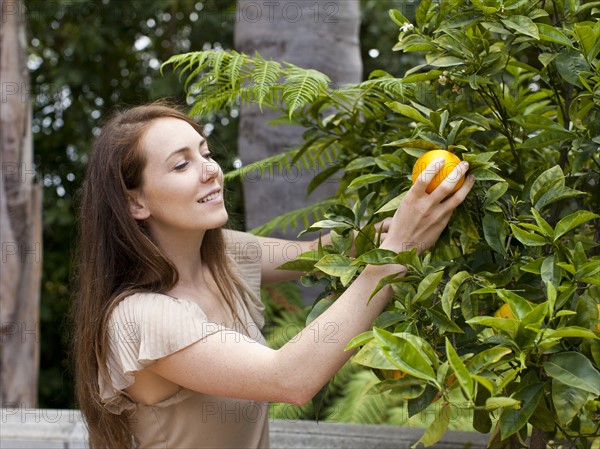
421	216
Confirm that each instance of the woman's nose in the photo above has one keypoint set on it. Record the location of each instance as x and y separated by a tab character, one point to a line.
210	170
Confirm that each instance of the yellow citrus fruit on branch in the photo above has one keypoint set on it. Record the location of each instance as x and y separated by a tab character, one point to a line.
450	161
504	312
397	374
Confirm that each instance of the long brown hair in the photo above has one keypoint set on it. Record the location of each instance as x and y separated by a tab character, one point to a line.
117	257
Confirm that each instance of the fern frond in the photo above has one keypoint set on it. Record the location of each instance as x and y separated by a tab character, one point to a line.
217	61
240	77
306	215
357	405
260	166
238	60
265	76
303	86
317	157
177	60
394	87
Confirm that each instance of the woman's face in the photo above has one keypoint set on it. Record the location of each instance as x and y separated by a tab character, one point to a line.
182	186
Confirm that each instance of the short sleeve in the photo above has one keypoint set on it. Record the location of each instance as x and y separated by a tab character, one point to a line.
143	328
245	253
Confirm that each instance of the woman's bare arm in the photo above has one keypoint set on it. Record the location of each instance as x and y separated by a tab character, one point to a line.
228	363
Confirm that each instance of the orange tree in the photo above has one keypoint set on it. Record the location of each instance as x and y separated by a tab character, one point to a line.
514	88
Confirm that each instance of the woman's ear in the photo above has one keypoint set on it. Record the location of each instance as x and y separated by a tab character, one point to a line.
137	206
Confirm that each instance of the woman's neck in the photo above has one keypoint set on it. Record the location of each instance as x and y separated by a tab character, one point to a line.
183	250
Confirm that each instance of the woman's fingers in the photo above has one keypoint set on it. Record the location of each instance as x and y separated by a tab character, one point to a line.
449	183
427	175
459	196
421	217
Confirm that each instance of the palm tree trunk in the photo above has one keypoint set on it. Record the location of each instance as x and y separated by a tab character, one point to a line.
20	220
323	35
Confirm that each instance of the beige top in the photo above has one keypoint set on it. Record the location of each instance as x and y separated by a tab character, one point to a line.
146	327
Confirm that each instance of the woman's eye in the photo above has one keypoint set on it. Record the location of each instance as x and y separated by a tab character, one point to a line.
207	156
181	165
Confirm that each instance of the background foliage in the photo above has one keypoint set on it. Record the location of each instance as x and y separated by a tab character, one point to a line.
499	323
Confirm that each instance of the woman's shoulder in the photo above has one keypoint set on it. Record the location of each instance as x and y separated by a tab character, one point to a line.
150	306
242	246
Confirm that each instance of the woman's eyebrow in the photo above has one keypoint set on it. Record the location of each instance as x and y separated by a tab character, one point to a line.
185	149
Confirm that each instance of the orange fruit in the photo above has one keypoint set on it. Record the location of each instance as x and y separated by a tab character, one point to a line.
450	380
394	374
598	325
397	374
450	161
504	312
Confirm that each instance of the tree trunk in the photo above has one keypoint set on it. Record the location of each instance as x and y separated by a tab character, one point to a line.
323	35
20	220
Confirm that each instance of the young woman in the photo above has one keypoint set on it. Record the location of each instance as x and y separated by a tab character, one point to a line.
168	349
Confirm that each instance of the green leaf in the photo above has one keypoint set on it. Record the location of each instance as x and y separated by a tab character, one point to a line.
519	306
328	224
575	370
528	238
421	13
512	420
535	266
556	194
376	256
407	111
545	181
536	316
549	33
523	25
550	298
365	180
587	38
546	58
404	355
484	359
407	388
550	271
497	402
460	370
360	340
437	428
588	272
318	309
442	322
397	17
503	324
568	401
440	60
542	223
569	331
481	418
420	403
572	221
372	356
451	289
337	265
495	231
428	286
569	64
547	138
495	192
409	258
304	262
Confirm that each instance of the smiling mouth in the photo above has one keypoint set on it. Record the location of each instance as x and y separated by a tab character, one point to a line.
210	197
